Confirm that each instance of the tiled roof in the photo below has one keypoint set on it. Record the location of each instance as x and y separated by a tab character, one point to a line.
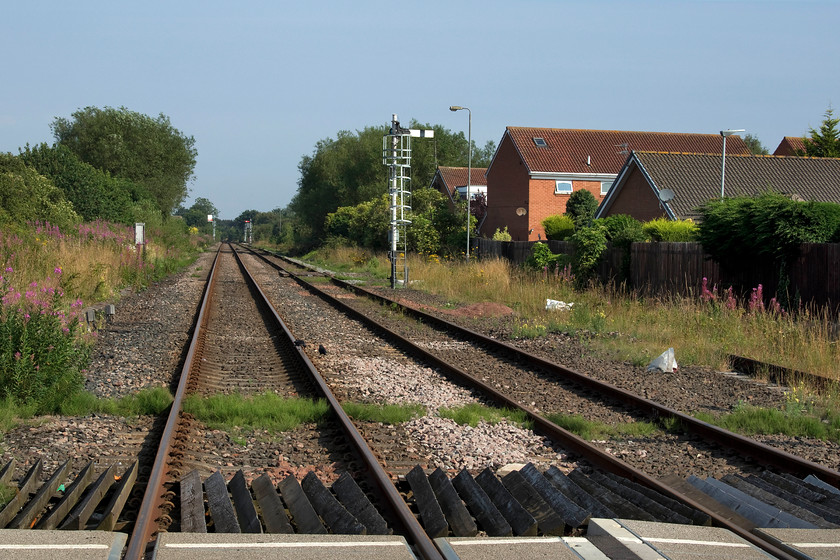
569	150
695	178
790	146
457	176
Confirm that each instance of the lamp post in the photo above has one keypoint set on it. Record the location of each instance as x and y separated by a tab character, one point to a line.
725	133
469	169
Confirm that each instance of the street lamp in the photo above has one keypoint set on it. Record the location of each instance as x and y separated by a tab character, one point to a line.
469	169
725	133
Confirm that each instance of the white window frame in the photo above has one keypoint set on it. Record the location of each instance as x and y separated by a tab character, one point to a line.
608	185
559	182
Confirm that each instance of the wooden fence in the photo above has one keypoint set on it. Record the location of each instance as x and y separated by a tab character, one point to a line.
679	268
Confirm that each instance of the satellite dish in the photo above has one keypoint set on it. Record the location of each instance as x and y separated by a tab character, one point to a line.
666	195
521	211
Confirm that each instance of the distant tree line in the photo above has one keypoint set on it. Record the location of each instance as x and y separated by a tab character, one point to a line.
110	164
347	172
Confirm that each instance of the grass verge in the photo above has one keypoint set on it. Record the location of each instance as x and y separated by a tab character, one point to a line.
146	402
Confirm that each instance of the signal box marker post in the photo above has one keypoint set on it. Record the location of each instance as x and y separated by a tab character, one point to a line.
396	154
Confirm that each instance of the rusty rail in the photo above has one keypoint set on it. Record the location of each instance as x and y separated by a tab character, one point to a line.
154	498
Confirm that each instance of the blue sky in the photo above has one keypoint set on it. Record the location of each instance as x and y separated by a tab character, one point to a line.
258	83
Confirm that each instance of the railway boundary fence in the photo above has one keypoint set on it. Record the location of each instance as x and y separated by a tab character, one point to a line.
661	268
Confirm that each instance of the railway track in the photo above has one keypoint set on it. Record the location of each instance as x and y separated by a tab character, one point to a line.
763	455
412	502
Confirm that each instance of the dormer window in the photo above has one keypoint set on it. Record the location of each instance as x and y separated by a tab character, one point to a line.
540	142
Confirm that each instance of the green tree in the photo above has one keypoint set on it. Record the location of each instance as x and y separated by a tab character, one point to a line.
93	193
148	151
824	142
348	170
581	207
196	215
26	195
755	146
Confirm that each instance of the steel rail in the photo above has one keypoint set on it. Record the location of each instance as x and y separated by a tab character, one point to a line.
780	374
417	535
153	499
571	441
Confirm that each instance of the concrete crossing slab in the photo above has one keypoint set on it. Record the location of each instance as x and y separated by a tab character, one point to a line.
233	546
24	544
505	548
817	544
676	542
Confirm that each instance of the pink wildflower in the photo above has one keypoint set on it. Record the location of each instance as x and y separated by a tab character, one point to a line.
731	304
705	294
757	300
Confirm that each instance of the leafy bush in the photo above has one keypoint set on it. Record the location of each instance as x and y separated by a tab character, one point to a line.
558	227
93	193
26	196
581	207
765	227
622	230
663	229
541	257
590	243
41	355
502	235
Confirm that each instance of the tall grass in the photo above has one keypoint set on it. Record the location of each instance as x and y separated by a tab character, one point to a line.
47	275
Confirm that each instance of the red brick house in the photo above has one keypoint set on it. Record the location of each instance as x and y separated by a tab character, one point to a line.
694	179
535	170
452	181
790	146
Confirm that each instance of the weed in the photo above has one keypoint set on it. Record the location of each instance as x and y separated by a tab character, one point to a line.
592	430
266	411
474	413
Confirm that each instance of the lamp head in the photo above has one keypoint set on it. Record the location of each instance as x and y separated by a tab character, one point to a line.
455	108
730	132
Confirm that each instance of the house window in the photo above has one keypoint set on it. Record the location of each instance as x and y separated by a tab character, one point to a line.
562	187
540	142
605	187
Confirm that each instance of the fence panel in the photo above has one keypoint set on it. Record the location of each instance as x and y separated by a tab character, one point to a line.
679	268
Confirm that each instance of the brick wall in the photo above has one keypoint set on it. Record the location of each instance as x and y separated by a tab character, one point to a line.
636	199
507	190
545	203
